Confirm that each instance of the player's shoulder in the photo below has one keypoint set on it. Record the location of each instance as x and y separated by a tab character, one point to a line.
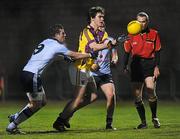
152	30
49	41
105	33
87	30
52	42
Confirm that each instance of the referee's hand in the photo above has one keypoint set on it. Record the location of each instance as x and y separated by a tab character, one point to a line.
156	72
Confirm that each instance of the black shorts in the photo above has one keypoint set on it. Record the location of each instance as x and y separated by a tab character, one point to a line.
141	68
103	79
31	82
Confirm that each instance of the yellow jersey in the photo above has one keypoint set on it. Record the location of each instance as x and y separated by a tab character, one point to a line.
87	36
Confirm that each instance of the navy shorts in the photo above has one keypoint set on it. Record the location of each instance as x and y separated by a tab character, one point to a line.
31	82
103	79
141	68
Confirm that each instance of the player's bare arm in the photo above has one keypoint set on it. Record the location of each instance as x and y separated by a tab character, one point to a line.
77	55
107	44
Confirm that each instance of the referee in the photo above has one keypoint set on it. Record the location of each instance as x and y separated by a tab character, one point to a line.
144	49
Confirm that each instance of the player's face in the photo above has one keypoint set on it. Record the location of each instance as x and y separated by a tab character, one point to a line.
61	35
99	20
143	20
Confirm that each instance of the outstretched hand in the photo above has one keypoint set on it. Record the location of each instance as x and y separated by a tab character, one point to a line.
122	38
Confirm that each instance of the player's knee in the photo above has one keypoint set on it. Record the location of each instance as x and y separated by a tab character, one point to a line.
110	96
150	86
152	98
138	101
152	95
36	105
37	99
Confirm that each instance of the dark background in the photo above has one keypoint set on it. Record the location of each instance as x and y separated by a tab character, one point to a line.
24	23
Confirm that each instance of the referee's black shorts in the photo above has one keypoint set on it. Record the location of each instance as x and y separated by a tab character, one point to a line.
141	68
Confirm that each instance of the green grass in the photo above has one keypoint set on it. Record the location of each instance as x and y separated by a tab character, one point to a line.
89	122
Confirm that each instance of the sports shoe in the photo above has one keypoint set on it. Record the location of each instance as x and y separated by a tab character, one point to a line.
59	126
109	127
67	124
14	131
156	122
141	126
11	118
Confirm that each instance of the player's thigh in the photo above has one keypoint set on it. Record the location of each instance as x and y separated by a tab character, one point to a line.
78	77
108	89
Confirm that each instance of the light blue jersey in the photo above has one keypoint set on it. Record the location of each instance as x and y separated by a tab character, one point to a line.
44	54
103	61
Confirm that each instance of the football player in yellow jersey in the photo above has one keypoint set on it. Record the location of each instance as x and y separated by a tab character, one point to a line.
89	40
101	71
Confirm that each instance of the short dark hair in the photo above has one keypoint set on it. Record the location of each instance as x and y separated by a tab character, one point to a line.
55	29
93	11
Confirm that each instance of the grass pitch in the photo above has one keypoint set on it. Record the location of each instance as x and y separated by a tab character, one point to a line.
89	122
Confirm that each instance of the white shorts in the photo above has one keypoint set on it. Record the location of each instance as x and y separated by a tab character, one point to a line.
80	77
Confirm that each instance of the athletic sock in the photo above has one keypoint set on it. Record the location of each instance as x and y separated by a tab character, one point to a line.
108	121
153	106
23	115
141	111
15	115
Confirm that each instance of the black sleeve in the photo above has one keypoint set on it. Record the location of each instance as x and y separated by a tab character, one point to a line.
157	58
125	60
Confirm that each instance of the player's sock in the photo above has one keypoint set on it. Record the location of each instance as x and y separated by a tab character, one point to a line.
141	111
23	115
153	106
108	121
16	115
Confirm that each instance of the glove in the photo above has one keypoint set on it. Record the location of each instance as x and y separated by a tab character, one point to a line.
68	59
93	54
122	38
111	45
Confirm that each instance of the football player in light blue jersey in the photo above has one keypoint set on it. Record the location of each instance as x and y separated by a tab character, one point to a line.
103	78
42	56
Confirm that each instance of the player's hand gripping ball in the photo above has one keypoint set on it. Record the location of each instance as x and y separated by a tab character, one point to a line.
134	27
